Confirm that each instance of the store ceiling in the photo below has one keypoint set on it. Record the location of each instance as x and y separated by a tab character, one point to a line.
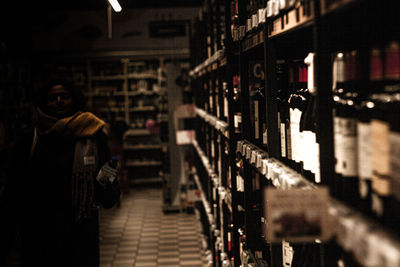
101	4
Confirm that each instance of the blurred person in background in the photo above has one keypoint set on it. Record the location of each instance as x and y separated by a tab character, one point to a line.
54	186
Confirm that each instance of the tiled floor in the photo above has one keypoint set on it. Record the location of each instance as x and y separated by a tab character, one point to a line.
139	234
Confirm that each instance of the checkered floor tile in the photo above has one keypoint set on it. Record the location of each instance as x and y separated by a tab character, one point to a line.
139	234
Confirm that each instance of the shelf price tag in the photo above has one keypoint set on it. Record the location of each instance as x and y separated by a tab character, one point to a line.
253	157
389	255
242	31
270	168
248	152
296	215
239	146
254	20
244	149
259	160
261	15
264	169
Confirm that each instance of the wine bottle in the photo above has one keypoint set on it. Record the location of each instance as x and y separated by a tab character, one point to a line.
384	130
283	110
237	105
258	103
346	124
309	126
338	85
225	107
365	111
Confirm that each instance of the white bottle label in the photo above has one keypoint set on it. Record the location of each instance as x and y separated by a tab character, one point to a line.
237	120
256	121
338	144
293	134
380	157
317	169
283	140
364	150
308	147
225	107
395	163
265	137
299	136
349	145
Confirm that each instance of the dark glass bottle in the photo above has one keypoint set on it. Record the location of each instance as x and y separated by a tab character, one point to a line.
258	103
384	133
237	105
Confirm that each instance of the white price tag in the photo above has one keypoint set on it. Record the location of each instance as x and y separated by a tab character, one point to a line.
259	158
253	157
286	207
248	152
249	25
261	15
270	168
244	149
254	20
236	37
264	170
239	146
242	31
390	254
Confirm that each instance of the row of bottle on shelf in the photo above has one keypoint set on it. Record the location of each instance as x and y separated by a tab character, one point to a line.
367	131
258	11
366	109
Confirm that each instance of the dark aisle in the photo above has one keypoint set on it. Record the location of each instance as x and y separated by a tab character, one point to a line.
139	234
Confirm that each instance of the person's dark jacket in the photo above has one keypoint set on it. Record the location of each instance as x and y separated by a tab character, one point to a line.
38	203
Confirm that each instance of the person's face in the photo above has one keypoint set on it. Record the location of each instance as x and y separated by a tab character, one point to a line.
59	102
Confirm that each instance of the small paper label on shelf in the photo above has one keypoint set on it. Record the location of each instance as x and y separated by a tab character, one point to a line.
249	25
185	111
259	160
244	149
287	254
253	157
242	31
254	20
264	167
248	152
239	146
185	137
261	15
296	215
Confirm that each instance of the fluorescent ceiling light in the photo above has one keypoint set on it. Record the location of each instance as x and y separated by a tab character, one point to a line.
115	5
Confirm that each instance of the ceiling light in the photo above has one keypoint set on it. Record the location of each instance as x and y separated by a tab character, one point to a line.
115	5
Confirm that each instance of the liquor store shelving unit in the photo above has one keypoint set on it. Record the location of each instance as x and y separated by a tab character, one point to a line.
282	91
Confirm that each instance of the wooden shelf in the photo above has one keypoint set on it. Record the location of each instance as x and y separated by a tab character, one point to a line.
137	132
294	19
131	163
372	237
108	78
112	109
142	147
253	40
143	180
142	109
219	125
142	76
